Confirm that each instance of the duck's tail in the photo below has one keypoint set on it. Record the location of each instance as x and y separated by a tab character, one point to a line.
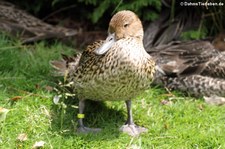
65	64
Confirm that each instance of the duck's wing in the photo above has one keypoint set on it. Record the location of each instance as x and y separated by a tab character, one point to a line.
71	63
29	28
183	58
88	54
65	64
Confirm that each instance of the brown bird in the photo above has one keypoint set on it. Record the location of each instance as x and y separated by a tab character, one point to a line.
191	57
116	69
194	67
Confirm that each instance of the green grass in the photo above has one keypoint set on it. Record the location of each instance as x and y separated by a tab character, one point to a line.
25	72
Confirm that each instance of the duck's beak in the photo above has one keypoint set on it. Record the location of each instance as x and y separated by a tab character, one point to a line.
110	40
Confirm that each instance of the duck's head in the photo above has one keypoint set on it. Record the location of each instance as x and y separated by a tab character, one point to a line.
124	24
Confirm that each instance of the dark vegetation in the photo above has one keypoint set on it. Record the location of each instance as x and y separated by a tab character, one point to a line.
94	15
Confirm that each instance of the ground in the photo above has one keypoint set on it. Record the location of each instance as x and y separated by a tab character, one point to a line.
26	90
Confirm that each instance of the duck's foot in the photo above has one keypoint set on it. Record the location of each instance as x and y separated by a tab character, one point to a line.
86	130
133	130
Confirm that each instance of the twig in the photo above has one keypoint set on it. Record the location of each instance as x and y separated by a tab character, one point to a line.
29	93
58	11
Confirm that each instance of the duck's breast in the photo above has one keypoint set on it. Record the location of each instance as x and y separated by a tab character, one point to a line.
122	73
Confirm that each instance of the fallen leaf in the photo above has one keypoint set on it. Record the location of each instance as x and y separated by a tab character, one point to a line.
3	113
38	144
201	107
37	86
49	88
22	137
166	126
16	98
166	102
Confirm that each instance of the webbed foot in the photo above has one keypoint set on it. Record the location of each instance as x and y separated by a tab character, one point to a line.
133	130
86	130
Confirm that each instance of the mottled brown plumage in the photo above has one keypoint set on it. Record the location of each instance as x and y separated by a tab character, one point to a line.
197	85
194	67
120	74
192	57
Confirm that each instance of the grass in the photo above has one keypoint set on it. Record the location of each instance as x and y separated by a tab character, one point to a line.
25	74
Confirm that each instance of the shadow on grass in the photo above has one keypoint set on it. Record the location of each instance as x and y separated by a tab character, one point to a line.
97	115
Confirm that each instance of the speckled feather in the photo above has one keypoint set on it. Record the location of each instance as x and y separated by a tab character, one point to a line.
197	85
216	67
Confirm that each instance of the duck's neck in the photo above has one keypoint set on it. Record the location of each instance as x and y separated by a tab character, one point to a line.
131	46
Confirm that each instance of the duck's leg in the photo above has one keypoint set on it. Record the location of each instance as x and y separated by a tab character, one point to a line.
130	127
81	128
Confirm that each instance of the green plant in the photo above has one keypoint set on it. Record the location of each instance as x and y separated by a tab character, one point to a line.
194	34
141	7
94	9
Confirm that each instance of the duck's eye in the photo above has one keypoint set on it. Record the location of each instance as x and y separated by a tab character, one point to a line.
126	25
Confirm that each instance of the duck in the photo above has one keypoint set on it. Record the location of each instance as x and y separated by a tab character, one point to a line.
195	67
190	57
115	69
30	29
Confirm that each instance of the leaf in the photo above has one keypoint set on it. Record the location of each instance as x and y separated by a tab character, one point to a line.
166	102
16	98
75	107
69	94
99	11
3	113
38	144
22	137
56	99
55	2
49	88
